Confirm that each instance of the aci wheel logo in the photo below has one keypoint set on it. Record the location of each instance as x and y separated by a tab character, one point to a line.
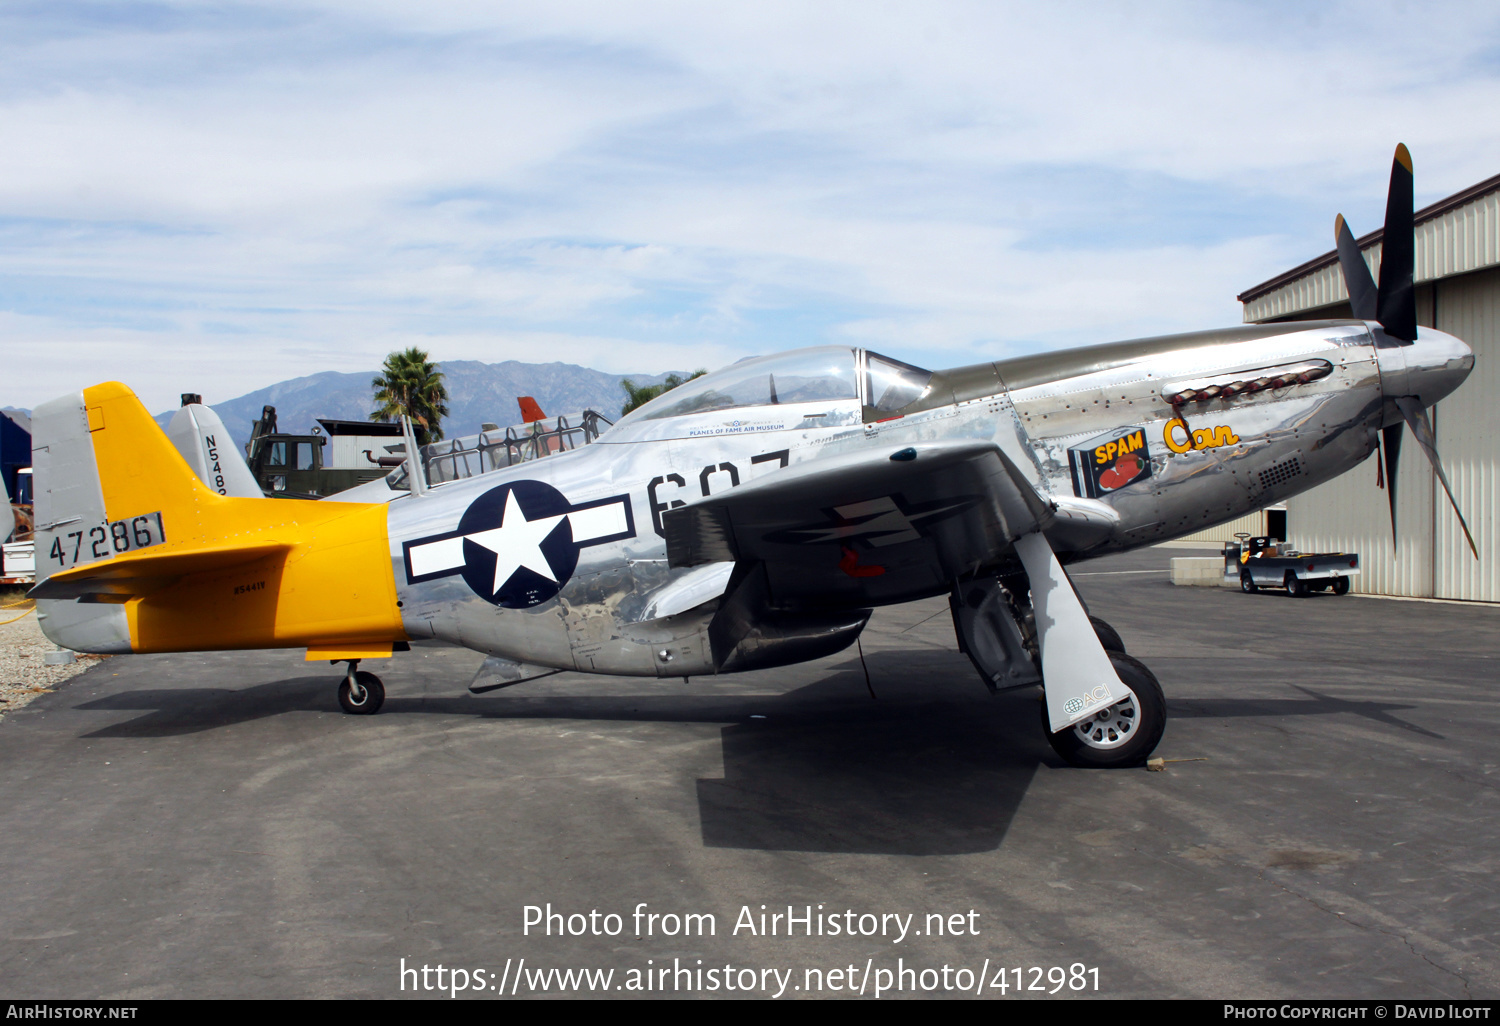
517	544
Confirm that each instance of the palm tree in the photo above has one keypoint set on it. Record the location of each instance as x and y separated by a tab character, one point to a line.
409	385
639	395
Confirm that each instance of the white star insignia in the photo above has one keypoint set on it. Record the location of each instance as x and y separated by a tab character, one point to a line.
517	542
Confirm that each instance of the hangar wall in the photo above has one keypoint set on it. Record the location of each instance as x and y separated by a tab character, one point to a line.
1458	291
1468	433
1252	524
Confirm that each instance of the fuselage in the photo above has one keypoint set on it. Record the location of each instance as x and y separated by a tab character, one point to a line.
562	562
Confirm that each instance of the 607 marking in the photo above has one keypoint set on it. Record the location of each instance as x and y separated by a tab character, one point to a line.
109	539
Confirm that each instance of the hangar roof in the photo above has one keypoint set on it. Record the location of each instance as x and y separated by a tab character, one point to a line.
1454	236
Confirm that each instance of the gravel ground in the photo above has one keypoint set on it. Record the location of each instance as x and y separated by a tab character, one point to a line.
23	675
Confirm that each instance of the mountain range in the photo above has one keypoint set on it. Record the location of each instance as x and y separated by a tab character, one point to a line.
477	393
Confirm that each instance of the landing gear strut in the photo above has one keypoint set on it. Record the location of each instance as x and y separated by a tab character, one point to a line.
1100	707
360	692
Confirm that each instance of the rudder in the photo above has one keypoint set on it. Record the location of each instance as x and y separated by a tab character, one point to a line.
72	518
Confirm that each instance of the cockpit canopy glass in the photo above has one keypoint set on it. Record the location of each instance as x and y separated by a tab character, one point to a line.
823	374
891	384
801	376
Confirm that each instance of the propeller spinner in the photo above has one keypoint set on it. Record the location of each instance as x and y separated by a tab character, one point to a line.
1416	368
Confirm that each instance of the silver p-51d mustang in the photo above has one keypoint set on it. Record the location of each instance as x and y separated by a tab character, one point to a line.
754	517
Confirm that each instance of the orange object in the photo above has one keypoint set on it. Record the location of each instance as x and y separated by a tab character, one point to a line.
530	411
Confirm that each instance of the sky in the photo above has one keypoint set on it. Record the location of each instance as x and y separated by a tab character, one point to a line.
216	196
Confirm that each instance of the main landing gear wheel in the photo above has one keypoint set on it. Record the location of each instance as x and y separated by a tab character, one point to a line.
362	694
1123	734
1108	636
1247	583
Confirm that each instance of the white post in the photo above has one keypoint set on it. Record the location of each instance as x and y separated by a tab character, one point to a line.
416	477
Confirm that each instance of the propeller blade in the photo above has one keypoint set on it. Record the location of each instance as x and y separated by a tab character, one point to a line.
1390	443
1397	298
1421	427
1362	295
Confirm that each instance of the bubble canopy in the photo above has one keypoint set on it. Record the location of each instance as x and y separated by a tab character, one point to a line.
816	375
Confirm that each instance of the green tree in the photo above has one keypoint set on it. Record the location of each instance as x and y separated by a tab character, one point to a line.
640	395
410	385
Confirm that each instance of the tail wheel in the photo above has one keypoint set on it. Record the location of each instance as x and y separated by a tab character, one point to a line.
1123	734
365	697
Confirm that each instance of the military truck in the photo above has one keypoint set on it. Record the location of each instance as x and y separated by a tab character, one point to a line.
334	457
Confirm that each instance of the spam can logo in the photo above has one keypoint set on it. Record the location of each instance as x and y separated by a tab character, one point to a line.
1110	462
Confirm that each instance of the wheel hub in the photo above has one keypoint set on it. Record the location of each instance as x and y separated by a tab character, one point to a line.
1110	727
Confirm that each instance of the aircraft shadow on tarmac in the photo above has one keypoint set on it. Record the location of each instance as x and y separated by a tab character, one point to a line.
828	770
1321	705
929	768
934	766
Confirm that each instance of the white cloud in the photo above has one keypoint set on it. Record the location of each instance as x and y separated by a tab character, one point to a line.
215	197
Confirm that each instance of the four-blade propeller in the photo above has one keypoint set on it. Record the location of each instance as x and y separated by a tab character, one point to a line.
1394	305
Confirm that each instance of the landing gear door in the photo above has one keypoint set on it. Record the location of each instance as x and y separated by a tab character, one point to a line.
1080	679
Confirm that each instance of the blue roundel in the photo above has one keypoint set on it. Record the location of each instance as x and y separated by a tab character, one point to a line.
518	544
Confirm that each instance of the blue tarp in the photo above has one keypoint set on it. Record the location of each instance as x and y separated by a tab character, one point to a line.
15	454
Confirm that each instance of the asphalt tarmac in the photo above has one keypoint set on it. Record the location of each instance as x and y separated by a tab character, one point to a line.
214	826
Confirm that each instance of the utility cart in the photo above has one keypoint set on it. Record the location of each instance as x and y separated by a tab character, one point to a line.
1265	563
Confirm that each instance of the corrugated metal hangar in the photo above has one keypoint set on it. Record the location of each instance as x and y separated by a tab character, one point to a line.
1458	291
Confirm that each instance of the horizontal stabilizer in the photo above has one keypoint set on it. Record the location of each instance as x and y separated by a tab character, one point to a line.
142	574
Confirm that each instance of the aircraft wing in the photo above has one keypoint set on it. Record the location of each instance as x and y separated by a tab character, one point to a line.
865	527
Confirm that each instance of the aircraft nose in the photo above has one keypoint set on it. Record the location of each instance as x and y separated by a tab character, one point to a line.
1430	368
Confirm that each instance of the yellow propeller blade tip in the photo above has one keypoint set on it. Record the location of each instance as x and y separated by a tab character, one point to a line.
1403	156
1338	225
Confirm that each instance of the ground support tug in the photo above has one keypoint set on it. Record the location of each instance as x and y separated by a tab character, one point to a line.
1262	563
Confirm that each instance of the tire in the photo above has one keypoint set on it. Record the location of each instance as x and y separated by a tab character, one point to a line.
1341	585
1247	583
1147	723
1296	587
370	698
1108	636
